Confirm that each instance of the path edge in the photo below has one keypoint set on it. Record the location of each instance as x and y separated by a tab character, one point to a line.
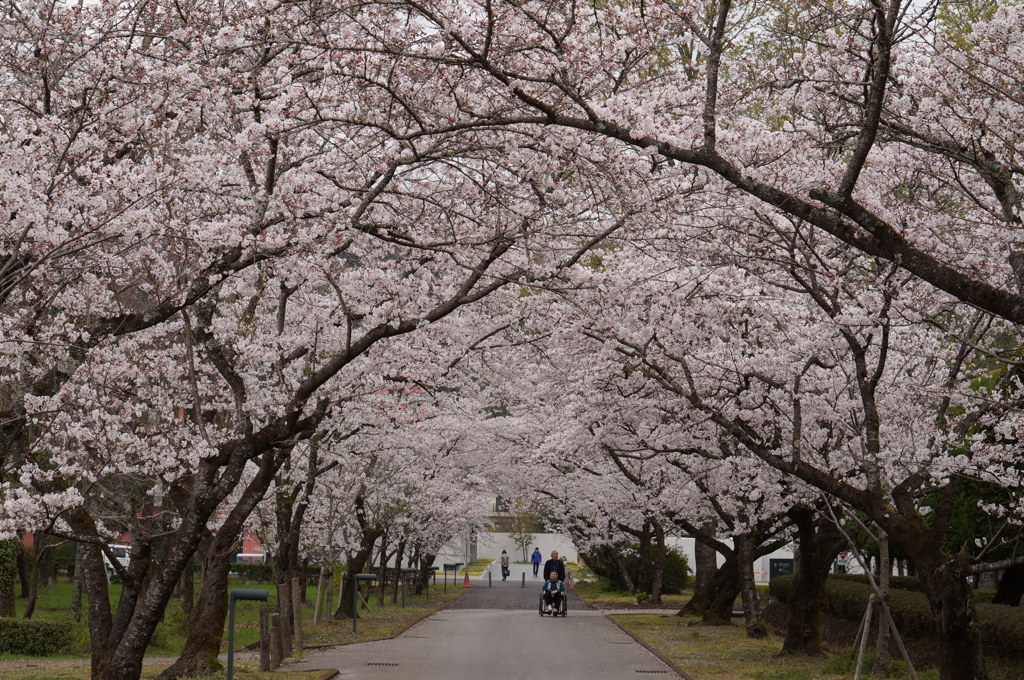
668	662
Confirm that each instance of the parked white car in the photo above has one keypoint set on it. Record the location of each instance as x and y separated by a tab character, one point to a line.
123	555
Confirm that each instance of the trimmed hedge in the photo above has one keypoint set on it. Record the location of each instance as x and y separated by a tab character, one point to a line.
265	572
911	583
34	638
1002	627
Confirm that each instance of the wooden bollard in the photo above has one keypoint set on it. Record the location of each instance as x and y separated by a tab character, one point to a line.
297	614
265	660
317	607
275	640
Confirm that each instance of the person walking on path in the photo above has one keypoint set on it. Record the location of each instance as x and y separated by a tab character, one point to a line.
568	574
555	565
536	559
505	571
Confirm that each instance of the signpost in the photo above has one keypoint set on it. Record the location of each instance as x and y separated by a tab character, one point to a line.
779	567
239	594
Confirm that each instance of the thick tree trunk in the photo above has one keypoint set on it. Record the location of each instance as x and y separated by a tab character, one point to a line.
620	564
187	590
206	625
425	562
949	594
75	607
397	576
714	602
355	566
705	563
382	570
1011	587
206	622
959	637
9	551
23	568
748	589
818	542
642	576
658	564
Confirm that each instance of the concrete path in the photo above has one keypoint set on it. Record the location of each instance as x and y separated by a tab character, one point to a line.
496	633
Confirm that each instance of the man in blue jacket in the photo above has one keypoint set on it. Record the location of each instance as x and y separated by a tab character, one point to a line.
536	560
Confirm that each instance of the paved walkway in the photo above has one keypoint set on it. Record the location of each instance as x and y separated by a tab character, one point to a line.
496	633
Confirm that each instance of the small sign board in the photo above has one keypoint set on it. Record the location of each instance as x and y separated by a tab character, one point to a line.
778	567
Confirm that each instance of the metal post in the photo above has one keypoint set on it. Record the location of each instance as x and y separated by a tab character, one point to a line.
524	579
489	579
238	594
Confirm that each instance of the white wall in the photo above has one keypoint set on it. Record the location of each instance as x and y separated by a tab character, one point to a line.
490	545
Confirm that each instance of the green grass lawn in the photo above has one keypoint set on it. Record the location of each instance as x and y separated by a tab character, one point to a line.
726	653
599	594
378	622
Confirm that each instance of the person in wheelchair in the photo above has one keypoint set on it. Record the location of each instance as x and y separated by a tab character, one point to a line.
554	594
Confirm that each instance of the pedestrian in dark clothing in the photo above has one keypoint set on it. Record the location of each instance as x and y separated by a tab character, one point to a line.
536	558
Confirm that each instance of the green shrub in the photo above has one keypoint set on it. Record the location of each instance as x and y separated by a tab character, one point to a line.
34	638
1002	627
912	583
264	573
675	576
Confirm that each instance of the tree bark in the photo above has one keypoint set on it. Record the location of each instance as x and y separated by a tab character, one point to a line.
9	551
658	564
382	570
399	556
705	562
950	597
714	602
818	542
1011	587
206	626
23	567
425	562
206	622
355	566
75	607
748	589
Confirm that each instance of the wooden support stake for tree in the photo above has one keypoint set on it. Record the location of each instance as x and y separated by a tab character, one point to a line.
275	640
317	609
284	621
864	638
265	659
297	614
899	641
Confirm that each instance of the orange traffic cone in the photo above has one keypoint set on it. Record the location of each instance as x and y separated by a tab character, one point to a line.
465	581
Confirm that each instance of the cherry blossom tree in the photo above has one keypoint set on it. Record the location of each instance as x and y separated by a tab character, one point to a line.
214	303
